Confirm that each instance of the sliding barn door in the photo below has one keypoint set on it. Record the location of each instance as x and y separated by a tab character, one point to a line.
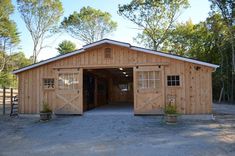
69	91
149	89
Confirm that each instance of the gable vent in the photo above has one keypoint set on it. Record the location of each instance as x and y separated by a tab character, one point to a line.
108	53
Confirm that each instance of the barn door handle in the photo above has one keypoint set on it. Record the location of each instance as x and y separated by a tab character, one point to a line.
78	91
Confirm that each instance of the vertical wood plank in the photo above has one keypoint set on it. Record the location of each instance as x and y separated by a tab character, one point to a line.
81	88
135	88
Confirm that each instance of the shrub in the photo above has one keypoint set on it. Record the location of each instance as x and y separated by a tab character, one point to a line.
170	109
46	108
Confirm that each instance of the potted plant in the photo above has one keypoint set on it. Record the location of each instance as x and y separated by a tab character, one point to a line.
171	113
46	112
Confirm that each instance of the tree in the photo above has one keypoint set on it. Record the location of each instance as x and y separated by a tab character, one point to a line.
89	25
6	8
154	19
207	41
9	37
66	47
40	18
17	60
226	9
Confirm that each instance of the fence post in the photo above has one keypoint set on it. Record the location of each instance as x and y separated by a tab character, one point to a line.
4	100
11	100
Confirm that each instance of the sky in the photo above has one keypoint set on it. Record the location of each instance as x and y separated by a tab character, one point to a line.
125	32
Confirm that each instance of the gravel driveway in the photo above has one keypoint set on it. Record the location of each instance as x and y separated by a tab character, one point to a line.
119	134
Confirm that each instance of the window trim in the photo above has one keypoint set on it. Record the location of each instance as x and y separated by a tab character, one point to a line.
176	86
145	90
67	89
44	88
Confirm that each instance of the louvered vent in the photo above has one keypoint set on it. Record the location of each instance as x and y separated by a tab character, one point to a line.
107	53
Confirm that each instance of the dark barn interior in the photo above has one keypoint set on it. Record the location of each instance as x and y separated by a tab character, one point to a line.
111	87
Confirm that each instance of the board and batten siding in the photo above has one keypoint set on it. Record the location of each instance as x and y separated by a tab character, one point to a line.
193	96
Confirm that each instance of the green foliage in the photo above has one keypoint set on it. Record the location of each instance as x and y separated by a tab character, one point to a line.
6	8
197	40
46	108
41	18
66	47
9	39
226	9
17	60
8	31
170	109
207	41
6	79
154	18
89	25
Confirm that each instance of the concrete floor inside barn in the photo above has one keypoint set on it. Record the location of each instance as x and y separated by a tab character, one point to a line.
105	132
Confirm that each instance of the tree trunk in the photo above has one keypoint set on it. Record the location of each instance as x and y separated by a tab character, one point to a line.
34	54
155	44
233	71
221	93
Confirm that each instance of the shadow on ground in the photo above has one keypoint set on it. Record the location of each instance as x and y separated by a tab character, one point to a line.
119	134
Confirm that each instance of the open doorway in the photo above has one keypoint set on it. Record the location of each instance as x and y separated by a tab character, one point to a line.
109	89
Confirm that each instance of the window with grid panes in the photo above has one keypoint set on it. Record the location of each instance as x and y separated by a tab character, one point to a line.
48	83
68	81
148	79
173	80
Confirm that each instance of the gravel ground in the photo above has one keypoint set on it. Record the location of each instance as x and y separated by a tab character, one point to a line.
117	134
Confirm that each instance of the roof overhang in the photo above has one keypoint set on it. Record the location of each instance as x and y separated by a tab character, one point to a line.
113	42
175	57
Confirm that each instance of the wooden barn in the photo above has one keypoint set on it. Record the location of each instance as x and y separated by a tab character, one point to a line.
108	71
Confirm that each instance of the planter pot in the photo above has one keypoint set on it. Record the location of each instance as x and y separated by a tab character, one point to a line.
171	118
45	116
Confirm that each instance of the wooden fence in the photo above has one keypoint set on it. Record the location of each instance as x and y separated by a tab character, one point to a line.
6	96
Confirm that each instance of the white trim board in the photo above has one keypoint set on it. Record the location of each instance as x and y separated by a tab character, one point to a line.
123	44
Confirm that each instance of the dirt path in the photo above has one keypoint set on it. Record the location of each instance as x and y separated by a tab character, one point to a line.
120	134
